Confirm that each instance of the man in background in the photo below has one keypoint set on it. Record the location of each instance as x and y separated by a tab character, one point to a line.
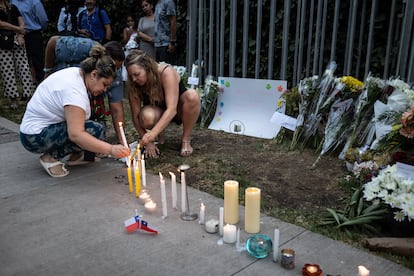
165	29
35	21
94	23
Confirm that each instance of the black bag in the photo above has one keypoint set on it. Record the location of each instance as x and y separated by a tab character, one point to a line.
6	39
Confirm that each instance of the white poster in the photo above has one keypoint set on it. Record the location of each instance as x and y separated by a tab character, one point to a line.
246	106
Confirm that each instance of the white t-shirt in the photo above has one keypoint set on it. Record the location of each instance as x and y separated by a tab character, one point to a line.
46	107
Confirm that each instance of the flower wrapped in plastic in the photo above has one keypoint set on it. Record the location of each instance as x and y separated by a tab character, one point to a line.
393	189
208	96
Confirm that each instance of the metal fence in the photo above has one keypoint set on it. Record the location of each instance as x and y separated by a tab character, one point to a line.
290	40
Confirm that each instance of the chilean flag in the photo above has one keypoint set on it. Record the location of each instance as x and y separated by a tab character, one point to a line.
134	224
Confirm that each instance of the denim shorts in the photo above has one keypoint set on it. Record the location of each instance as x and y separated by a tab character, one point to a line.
71	50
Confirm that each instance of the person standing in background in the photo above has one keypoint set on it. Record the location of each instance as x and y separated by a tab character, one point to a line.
146	29
14	58
36	21
94	23
68	17
165	29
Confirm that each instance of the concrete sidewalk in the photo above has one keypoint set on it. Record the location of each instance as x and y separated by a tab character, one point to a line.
75	226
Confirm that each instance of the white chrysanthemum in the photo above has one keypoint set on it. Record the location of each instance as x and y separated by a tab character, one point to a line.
399	216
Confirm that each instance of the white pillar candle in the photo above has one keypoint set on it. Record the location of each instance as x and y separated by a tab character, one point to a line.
276	245
252	210
231	201
121	131
163	197
229	233
143	173
202	213
238	238
221	220
173	190
144	197
150	207
363	271
183	196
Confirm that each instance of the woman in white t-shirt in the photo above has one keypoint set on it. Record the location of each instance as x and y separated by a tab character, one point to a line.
56	123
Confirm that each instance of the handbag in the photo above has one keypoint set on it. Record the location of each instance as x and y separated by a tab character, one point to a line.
7	37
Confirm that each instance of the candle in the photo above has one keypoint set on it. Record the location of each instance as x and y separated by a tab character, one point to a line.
212	226
311	270
221	220
276	244
202	213
163	197
150	206
173	190
137	178
144	197
252	210
238	239
183	197
129	175
288	258
363	271
231	201
229	233
143	173
121	130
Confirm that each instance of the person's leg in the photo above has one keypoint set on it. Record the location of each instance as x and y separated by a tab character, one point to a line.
35	53
23	70
50	55
149	116
188	111
9	77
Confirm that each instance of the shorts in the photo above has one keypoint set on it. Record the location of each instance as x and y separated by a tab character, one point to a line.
71	50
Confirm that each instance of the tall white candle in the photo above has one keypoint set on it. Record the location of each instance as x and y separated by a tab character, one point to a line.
143	173
276	245
173	190
121	131
163	197
252	210
183	196
238	238
221	220
231	201
229	233
202	213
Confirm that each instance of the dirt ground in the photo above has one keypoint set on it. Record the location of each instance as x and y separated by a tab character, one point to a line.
285	177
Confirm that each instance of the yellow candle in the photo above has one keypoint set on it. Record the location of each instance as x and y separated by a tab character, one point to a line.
137	178
252	210
231	202
129	176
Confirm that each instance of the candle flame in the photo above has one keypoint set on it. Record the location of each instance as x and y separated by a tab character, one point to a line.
120	124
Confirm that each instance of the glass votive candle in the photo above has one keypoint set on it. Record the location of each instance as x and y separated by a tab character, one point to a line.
212	225
287	258
311	270
150	207
144	197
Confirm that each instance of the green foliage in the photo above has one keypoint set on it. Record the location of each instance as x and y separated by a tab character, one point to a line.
357	216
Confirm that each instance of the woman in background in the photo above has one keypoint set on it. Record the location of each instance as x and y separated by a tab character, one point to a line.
146	29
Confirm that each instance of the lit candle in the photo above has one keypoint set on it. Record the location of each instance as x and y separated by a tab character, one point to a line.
231	201
252	210
144	197
163	197
311	270
137	178
212	226
173	190
143	173
129	170
363	271
121	130
183	196
276	245
221	220
229	233
202	213
150	206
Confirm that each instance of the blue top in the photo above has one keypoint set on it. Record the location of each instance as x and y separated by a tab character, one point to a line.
93	23
162	27
33	13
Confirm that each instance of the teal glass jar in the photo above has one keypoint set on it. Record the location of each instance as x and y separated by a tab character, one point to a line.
259	246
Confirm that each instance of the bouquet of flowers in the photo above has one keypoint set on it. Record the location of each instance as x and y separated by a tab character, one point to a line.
393	189
208	97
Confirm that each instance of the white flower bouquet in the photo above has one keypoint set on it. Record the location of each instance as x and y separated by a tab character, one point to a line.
393	189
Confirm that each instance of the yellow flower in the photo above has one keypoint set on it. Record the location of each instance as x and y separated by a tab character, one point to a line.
353	84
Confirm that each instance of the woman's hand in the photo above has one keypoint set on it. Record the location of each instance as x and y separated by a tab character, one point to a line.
119	151
151	150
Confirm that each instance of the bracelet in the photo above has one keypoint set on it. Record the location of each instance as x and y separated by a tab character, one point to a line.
47	70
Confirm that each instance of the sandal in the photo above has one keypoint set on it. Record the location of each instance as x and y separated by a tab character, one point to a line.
80	160
186	149
48	165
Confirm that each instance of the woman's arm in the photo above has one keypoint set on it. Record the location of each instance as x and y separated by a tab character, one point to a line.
75	118
8	26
